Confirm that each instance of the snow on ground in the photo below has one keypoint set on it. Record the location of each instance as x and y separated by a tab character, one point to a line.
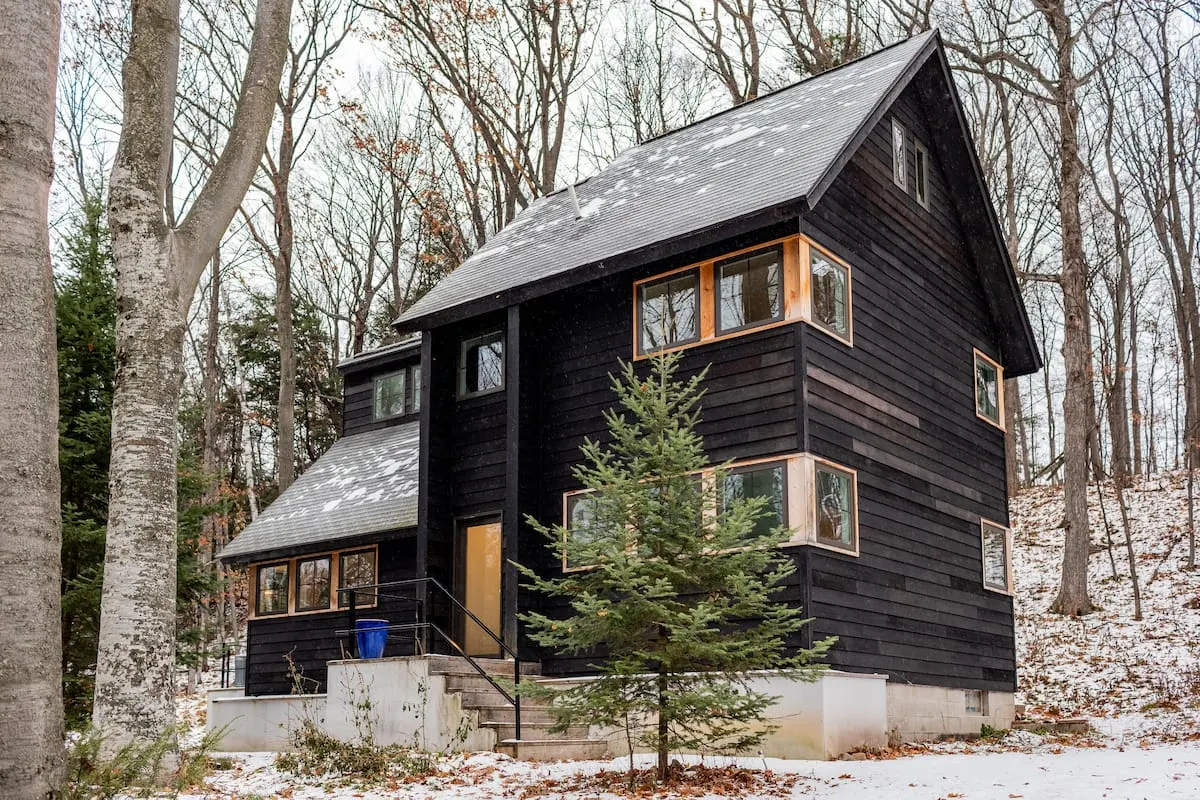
1137	681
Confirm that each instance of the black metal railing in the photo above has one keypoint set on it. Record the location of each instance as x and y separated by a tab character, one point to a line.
233	666
422	626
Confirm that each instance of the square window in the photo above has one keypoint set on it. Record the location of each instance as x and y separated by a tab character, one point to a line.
750	290
837	524
766	481
669	311
481	365
976	701
581	529
997	570
899	156
271	589
312	583
389	395
356	569
830	293
921	176
988	377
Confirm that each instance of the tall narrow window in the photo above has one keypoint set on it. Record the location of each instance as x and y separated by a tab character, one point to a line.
271	589
356	569
997	552
415	372
830	293
837	517
481	365
921	176
899	156
989	403
750	290
669	311
312	583
767	481
389	395
581	530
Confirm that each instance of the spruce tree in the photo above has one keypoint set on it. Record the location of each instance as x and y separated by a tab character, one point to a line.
677	589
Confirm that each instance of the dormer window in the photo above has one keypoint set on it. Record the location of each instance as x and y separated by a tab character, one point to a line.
481	365
899	155
398	393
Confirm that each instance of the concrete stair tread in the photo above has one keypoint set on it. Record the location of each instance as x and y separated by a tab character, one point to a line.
554	749
457	665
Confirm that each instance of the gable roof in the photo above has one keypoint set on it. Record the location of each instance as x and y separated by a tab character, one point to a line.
756	163
364	484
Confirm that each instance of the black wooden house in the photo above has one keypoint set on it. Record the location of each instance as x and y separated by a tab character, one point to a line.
831	251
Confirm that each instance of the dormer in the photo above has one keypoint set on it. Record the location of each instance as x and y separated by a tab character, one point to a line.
382	387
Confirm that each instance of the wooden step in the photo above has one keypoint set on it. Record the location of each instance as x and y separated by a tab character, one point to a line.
534	730
554	749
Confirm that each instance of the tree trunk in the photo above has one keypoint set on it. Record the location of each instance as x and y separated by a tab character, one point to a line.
1078	400
31	705
664	729
211	457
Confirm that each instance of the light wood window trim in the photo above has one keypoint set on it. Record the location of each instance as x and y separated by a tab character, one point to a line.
715	278
899	167
811	462
293	575
296	581
979	354
797	295
350	551
984	524
566	505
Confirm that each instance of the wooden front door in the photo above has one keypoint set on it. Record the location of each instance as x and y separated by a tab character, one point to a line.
479	557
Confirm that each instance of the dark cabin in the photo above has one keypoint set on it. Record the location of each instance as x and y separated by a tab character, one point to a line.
831	251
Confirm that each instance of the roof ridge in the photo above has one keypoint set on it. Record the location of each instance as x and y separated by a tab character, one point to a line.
806	79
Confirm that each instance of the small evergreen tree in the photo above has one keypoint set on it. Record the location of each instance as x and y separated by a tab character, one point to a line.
679	589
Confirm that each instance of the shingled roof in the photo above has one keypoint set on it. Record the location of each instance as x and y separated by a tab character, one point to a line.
776	149
364	484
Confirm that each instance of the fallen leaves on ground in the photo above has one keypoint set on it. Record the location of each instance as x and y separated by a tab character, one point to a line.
683	781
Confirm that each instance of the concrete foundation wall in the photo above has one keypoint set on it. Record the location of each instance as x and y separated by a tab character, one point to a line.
260	723
920	713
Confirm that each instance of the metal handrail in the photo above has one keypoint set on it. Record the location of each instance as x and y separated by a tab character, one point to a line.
424	624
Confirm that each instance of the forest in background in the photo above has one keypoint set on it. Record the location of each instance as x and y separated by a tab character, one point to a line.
407	133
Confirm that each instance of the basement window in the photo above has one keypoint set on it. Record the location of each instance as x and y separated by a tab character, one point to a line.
989	402
836	506
271	589
313	583
976	701
997	557
669	311
921	175
481	365
899	155
750	290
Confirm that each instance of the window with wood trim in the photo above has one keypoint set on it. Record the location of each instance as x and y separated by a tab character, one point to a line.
357	568
313	583
989	393
271	589
921	173
836	506
749	289
996	549
481	365
668	312
579	527
899	155
767	481
778	283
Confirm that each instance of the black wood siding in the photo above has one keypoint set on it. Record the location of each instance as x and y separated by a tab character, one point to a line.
311	639
358	398
899	407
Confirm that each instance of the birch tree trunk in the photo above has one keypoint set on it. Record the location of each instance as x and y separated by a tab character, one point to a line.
31	709
158	269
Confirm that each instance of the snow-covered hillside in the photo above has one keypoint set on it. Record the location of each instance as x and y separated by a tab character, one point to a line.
1108	664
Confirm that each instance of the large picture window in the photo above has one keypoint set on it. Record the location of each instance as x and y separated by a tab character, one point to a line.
836	506
669	312
481	365
989	400
830	293
997	557
313	582
271	589
357	569
750	290
768	481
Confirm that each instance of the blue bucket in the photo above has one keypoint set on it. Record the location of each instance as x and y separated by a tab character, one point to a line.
370	635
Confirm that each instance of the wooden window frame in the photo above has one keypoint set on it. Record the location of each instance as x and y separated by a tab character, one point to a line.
293	576
979	354
921	173
461	378
287	564
812	464
984	524
797	295
899	164
718	330
403	374
296	581
566	510
353	551
758	465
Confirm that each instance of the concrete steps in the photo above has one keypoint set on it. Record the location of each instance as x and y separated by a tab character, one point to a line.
495	713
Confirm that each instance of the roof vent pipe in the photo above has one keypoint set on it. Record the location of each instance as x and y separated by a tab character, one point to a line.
574	201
